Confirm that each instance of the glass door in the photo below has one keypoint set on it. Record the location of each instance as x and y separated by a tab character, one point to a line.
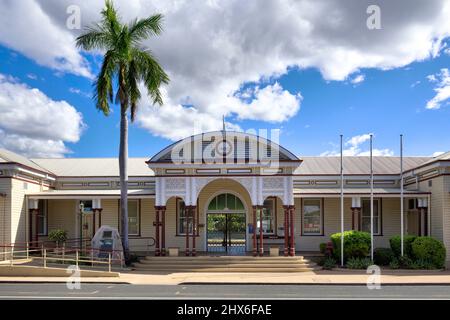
226	233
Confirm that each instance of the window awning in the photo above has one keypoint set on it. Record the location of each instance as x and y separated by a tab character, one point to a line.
354	192
89	194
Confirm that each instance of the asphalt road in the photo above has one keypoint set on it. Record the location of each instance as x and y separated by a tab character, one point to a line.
126	291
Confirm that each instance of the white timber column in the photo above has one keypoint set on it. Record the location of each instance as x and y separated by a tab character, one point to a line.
96	208
422	205
33	208
356	213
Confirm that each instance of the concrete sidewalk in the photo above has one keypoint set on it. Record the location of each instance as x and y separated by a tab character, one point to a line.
397	277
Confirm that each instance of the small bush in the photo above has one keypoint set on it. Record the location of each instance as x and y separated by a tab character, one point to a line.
329	263
425	265
395	243
59	236
383	256
430	250
358	263
405	262
356	244
323	247
394	264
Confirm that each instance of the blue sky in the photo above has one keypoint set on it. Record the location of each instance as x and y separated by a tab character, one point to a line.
385	103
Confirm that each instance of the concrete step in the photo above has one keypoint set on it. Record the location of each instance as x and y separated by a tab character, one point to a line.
222	262
231	269
210	265
226	258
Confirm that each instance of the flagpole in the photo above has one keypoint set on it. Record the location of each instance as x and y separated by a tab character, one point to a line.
401	195
342	206
371	197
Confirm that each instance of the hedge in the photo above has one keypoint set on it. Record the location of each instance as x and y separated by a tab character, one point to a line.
427	249
383	256
395	243
356	244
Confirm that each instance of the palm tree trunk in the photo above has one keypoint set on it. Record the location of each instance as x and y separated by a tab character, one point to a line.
123	167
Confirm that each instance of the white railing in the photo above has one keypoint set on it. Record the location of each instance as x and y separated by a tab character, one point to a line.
61	255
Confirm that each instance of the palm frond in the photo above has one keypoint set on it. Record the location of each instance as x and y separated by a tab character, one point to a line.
133	89
94	38
151	72
103	84
111	19
144	28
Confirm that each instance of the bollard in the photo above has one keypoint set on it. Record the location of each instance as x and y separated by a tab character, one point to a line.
45	258
64	253
109	262
76	257
28	251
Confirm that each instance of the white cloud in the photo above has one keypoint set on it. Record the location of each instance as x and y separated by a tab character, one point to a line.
437	153
33	124
79	92
32	76
212	49
358	79
27	28
272	104
442	80
354	147
415	84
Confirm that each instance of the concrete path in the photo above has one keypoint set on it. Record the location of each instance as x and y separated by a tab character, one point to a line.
316	277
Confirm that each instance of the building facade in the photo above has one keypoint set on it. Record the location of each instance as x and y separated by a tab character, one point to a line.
224	193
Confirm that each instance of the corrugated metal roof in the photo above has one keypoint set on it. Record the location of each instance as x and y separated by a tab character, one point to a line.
357	165
94	167
443	157
9	156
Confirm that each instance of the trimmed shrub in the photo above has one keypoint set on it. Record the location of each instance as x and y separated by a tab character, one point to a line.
395	243
322	247
383	256
405	262
429	250
58	235
358	263
356	244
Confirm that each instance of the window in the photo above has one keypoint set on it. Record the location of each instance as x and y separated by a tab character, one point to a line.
365	216
226	202
86	206
42	218
133	217
268	222
182	220
312	217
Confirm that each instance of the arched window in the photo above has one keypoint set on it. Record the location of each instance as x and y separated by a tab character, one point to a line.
226	202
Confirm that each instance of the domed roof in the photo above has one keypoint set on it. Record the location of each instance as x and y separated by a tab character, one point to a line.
224	146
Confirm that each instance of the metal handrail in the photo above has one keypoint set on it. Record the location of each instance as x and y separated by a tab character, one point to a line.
65	258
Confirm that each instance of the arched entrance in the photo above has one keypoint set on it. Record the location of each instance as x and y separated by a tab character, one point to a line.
226	225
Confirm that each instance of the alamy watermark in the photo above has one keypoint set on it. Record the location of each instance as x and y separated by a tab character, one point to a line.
258	147
73	21
374	280
373	21
74	280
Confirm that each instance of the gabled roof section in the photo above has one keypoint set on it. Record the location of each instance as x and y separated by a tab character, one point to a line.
357	165
9	157
94	167
223	144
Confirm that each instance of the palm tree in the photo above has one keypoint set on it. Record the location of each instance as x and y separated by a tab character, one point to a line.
125	64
